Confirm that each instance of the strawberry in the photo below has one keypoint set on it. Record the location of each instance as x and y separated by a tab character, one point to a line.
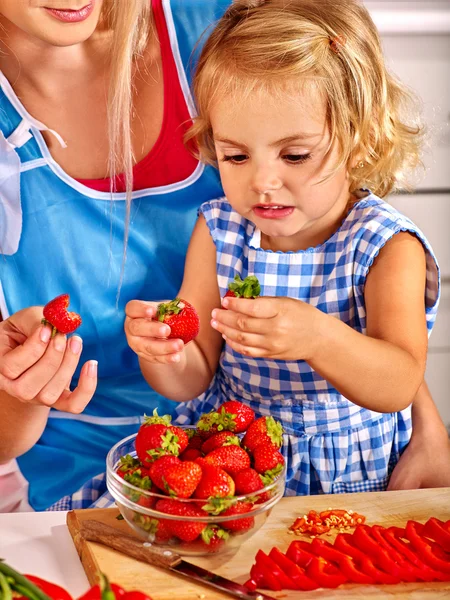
181	317
188	531
213	538
248	481
214	482
157	530
268	460
247	288
156	439
181	479
195	440
223	438
190	454
240	415
231	459
263	430
158	468
56	315
240	524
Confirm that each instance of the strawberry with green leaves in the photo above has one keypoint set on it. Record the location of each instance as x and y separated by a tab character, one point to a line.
247	288
230	416
268	460
223	438
240	525
265	430
231	459
249	481
156	437
56	314
159	467
131	470
213	538
181	479
181	317
215	482
188	531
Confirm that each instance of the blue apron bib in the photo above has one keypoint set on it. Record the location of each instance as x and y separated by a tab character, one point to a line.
58	236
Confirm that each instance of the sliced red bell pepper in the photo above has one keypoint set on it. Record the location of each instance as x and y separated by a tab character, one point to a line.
424	549
251	585
346	565
296	573
435	530
298	554
56	592
264	578
344	541
364	541
317	570
410	573
268	565
408	552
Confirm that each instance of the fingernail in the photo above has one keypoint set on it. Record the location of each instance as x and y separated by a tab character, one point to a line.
214	324
150	311
45	334
176	358
164	331
214	314
225	302
92	368
60	343
75	344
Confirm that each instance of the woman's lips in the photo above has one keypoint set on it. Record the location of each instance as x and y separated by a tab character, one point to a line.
273	211
71	16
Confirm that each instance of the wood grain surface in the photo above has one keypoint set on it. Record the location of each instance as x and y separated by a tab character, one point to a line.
382	508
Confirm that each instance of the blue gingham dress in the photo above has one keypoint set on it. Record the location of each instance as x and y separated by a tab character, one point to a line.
331	445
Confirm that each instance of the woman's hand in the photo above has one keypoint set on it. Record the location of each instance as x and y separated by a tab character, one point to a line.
147	336
279	328
36	369
424	464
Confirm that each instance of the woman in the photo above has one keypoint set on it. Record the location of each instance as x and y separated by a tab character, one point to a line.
63	231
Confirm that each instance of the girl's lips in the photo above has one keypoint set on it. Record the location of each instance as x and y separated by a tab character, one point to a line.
273	212
71	16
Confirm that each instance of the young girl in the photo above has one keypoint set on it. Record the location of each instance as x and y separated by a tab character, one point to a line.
297	109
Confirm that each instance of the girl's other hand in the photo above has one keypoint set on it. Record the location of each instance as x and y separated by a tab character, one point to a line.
37	369
147	336
269	327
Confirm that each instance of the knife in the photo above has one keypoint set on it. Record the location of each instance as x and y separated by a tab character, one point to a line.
95	531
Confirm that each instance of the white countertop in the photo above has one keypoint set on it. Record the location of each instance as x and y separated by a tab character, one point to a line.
40	544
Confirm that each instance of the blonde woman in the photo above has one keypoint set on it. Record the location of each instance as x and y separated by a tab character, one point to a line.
296	108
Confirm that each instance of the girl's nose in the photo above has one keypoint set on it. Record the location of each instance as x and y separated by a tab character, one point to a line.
265	182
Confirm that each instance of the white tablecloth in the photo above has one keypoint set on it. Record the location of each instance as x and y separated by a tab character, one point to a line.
40	544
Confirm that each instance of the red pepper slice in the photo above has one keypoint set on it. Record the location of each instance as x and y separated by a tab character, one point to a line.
317	570
135	595
435	530
296	573
424	549
346	565
381	558
410	573
264	578
298	554
344	542
268	565
56	592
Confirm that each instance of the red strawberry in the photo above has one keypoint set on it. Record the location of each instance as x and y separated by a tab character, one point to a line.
240	415
213	538
248	481
158	468
56	315
182	478
240	525
181	317
247	288
231	459
214	482
190	454
223	438
187	531
268	459
263	430
156	529
156	439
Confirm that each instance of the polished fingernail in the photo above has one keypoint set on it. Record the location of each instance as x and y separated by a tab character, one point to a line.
75	344
45	334
92	368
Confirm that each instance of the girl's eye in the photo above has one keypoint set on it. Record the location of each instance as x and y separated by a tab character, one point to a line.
235	158
296	158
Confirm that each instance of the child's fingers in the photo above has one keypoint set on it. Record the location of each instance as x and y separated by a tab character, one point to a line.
262	308
245	338
136	309
254	351
146	327
239	322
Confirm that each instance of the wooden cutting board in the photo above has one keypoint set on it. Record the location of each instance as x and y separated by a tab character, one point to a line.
383	508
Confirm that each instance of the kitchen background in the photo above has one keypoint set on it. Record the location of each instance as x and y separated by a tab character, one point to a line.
416	39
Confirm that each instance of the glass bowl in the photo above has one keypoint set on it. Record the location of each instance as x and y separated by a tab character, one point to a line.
188	535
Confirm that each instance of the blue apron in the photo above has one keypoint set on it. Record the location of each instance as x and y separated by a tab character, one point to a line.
58	236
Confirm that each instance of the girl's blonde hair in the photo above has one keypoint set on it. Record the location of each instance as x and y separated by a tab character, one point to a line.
260	44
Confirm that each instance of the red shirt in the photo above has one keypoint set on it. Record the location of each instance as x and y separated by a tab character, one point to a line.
168	161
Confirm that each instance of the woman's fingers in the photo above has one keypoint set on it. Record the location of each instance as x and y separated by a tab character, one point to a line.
14	362
76	401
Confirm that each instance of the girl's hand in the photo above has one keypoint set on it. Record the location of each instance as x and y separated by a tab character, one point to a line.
269	327
147	336
36	369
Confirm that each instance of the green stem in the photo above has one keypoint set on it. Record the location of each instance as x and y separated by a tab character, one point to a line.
23	582
24	591
5	590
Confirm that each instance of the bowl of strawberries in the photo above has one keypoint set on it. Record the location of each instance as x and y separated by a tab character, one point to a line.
200	489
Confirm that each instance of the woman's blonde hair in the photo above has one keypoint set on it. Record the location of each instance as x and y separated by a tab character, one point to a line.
259	44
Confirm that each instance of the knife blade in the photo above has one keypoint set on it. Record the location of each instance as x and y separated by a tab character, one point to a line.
95	531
